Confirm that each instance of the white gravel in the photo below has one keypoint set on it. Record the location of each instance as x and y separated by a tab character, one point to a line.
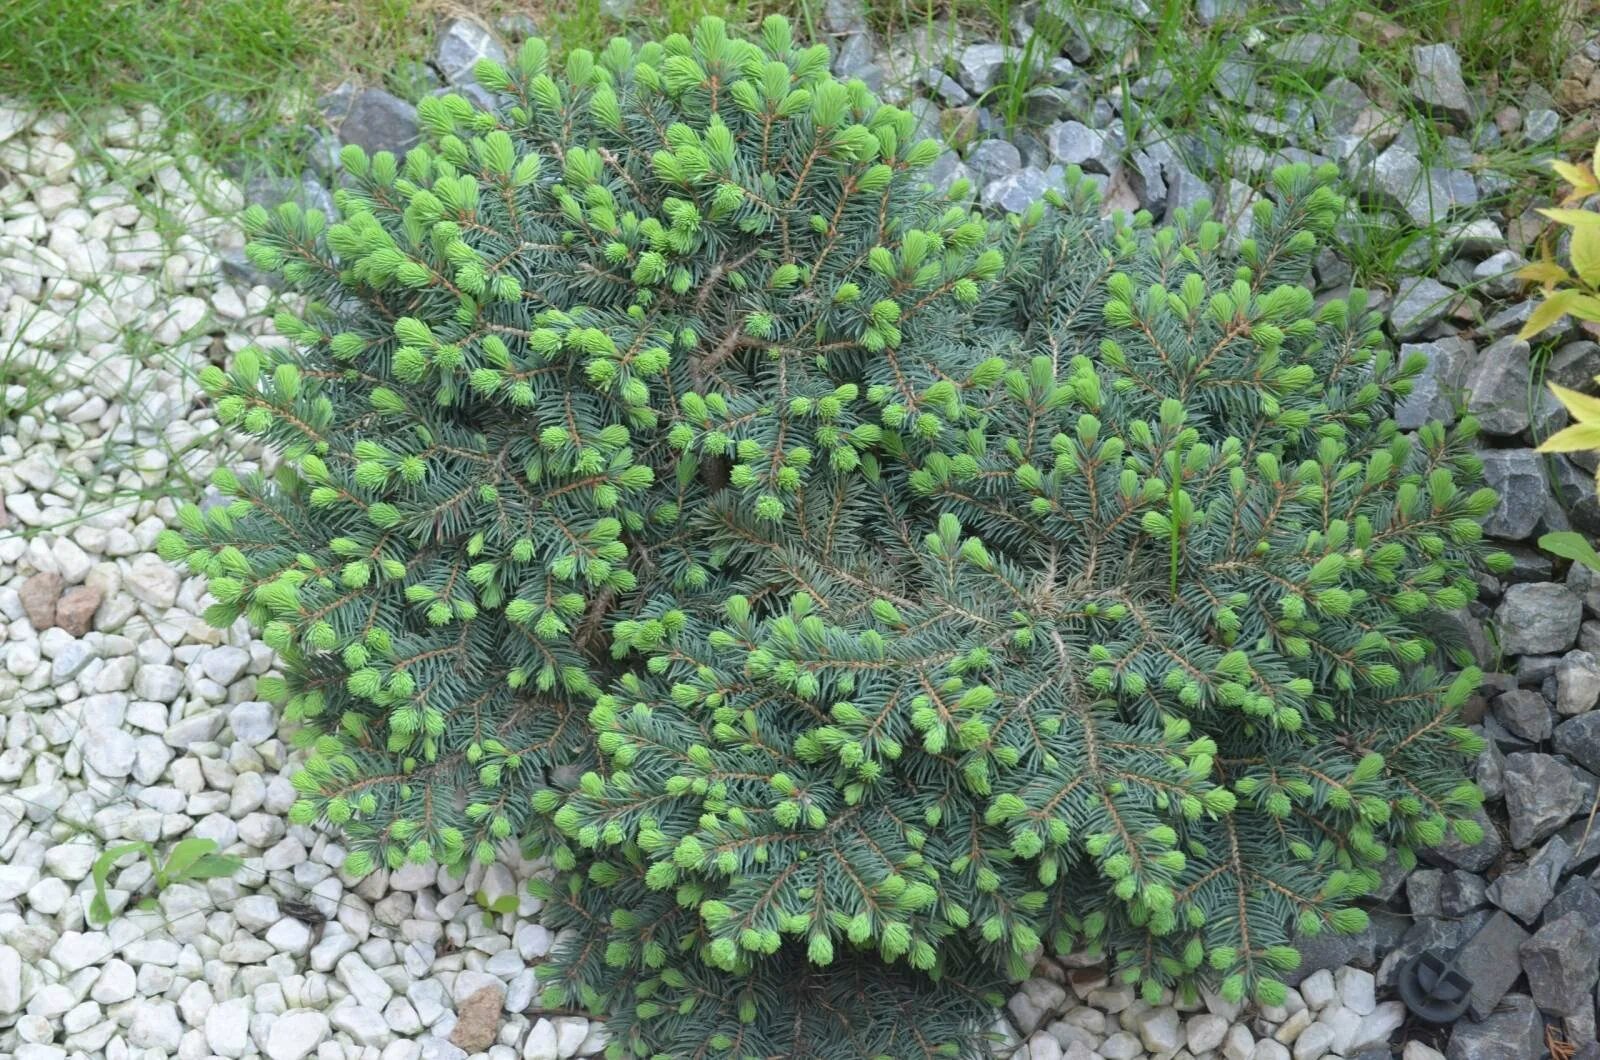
124	716
137	720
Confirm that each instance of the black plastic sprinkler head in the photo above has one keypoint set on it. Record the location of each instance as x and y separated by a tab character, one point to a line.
1434	988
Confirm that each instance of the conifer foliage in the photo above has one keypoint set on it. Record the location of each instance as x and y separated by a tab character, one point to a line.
851	596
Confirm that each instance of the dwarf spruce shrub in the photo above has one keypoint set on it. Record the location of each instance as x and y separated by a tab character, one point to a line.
850	596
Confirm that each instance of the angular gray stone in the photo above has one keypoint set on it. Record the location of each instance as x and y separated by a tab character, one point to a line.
1538	618
1579	740
991	160
1540	125
1577	683
380	121
1337	107
1144	176
1422	892
1436	392
1330	52
1562	962
1437	83
855	55
1461	893
1396	178
1018	191
516	26
1474	858
1542	794
1574	486
1511	319
1419	304
1489	959
1048	103
1514	1031
1496	275
945	170
1497	386
980	64
1489	772
1184	188
1525	891
1073	143
1525	713
459	46
1575	365
1523	492
1578	896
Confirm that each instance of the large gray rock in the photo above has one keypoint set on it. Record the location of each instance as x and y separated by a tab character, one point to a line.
1475	857
1145	177
1515	1030
1184	188
1574	365
1525	713
1542	794
1437	83
1523	493
1048	103
1338	106
1574	485
1318	52
946	170
1511	319
1538	618
1562	962
1461	893
979	66
1496	275
1419	304
1017	192
993	159
1397	179
1073	143
1497	387
1422	892
1577	683
461	43
1578	896
1526	890
1579	740
855	55
1436	392
380	121
1490	961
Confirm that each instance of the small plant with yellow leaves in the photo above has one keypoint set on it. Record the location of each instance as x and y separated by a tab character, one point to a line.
1574	292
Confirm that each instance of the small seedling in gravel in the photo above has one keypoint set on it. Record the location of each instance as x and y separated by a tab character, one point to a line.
191	859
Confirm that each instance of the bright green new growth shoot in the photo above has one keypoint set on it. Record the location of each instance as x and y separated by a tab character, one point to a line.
851	597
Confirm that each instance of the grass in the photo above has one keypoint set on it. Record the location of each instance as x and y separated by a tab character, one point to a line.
229	68
240	73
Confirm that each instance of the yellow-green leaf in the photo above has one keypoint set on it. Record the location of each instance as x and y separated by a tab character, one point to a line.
1546	273
1586	254
1580	437
1585	307
1548	312
1574	218
1584	408
1583	182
